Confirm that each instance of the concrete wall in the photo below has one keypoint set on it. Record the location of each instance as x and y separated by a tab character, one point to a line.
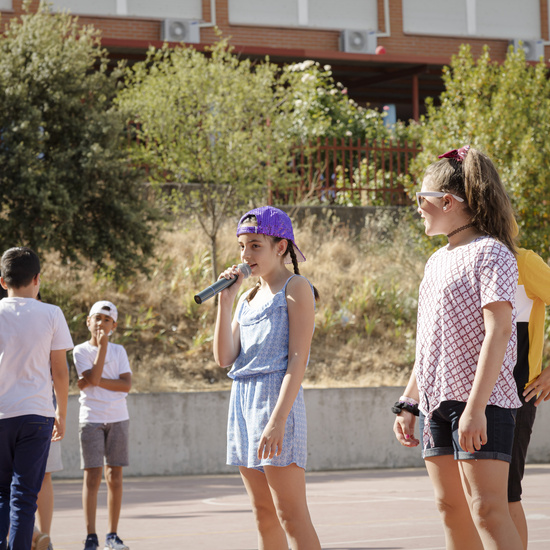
184	433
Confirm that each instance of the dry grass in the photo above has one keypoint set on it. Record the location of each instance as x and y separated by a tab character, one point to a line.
365	320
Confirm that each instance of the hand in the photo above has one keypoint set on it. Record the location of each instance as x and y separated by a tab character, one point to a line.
58	428
539	387
230	273
271	442
82	383
472	429
102	337
403	428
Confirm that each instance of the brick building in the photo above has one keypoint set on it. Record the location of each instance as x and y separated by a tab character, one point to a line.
418	36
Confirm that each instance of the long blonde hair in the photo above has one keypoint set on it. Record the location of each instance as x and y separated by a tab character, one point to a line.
476	180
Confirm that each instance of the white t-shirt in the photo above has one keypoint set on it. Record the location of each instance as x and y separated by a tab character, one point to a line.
524	305
98	404
457	284
29	331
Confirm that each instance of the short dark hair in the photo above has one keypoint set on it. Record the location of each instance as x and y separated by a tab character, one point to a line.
3	291
19	266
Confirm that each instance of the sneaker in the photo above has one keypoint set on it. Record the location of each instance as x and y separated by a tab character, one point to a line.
113	542
40	541
91	542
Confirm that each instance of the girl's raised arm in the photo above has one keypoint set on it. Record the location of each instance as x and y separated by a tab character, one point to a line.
227	341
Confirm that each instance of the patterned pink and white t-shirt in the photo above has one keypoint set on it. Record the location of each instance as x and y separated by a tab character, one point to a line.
457	284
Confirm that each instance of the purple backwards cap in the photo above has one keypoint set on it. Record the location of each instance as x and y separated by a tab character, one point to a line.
273	223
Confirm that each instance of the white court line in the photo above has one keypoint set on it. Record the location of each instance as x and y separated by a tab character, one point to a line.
539	528
366	542
315	502
394	539
215	501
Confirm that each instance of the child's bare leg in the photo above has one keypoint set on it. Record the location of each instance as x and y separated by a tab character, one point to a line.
90	488
460	530
271	535
485	484
45	502
518	517
113	477
288	489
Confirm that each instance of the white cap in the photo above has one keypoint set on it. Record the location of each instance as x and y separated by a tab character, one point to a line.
106	308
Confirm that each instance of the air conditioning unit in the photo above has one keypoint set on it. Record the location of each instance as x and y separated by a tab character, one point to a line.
534	49
180	30
358	41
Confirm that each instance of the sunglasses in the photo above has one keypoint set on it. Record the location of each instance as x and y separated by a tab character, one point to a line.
421	194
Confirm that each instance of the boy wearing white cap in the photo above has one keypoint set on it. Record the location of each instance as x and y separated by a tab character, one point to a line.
105	379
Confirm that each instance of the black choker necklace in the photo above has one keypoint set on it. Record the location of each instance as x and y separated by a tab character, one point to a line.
460	229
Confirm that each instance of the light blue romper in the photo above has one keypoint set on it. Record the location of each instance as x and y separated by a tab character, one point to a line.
257	376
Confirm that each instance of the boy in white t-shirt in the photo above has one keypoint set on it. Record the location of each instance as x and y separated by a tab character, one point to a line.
105	379
34	339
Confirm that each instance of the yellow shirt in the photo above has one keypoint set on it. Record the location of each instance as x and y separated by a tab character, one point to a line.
534	283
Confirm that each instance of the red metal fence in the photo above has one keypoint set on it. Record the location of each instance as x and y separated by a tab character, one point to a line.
343	172
349	173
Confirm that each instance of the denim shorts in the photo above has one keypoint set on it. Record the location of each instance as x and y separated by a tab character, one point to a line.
444	431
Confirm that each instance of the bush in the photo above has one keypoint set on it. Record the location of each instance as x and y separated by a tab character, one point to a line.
504	110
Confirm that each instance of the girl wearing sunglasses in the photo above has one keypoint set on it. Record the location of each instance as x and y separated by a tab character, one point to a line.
463	386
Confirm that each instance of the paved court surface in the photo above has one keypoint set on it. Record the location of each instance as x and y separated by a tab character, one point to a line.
361	510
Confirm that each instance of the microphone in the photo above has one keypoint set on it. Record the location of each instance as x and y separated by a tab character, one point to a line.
221	284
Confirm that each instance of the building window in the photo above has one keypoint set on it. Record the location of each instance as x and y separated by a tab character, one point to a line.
156	9
504	19
324	14
6	5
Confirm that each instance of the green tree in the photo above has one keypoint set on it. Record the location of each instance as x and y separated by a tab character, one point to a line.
65	180
322	108
215	126
323	111
222	129
504	110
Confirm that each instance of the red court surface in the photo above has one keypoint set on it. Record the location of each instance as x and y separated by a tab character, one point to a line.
362	510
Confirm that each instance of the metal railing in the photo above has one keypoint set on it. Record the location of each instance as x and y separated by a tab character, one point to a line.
342	171
348	172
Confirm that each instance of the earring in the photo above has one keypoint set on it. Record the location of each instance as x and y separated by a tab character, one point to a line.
444	208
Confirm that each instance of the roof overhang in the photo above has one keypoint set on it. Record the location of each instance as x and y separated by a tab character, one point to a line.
375	80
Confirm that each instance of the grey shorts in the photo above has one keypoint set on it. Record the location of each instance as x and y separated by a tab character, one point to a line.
104	444
54	464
